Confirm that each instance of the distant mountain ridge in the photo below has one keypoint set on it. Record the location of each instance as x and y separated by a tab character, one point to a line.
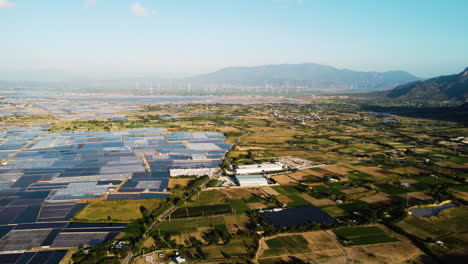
309	75
448	87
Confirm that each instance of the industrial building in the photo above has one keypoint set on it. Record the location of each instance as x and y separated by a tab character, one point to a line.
251	180
259	168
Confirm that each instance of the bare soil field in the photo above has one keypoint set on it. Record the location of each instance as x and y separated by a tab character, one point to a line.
354	190
316	202
270	191
284	199
399	252
325	248
322	248
320	174
372	170
418	195
241	193
337	169
256	206
235	223
461	195
284	179
299	175
379	198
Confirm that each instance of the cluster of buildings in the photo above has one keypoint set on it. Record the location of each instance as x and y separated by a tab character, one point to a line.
253	175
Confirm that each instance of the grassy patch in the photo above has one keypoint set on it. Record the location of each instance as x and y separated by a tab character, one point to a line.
116	211
363	235
287	241
358	231
239	205
210	197
293	194
372	239
188	225
205	210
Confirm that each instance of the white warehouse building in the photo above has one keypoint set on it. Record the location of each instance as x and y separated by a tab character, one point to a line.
251	180
259	168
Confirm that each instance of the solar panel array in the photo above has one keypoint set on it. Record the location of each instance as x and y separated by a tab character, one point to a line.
73	110
45	178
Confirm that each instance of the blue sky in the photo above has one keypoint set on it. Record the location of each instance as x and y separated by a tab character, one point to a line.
423	37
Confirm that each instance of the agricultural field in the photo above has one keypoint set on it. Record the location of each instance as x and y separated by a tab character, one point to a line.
116	211
325	247
358	236
360	171
449	226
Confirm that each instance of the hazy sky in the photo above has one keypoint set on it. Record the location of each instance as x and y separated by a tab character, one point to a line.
424	37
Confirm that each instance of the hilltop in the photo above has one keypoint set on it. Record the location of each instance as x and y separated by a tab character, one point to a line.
449	87
308	75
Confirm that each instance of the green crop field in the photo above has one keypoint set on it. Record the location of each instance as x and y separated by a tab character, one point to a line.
188	225
293	193
364	235
210	197
372	239
116	211
347	232
286	245
204	210
287	241
239	205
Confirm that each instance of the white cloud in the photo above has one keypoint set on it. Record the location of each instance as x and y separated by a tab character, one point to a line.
90	3
6	4
138	10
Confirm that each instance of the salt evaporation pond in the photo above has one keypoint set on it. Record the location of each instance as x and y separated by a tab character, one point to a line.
430	211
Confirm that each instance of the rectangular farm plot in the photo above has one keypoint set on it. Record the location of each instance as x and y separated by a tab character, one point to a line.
379	198
72	239
239	205
118	210
23	239
188	225
292	193
286	245
363	235
206	210
203	146
234	223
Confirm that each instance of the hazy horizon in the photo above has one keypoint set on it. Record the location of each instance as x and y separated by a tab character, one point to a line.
186	38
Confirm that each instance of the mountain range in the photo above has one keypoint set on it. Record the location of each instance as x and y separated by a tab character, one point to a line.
449	87
308	75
